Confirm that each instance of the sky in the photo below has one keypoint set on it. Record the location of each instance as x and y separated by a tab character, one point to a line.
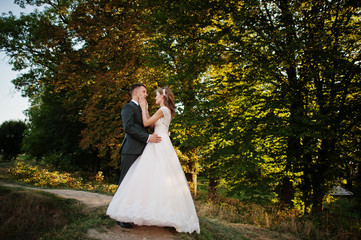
12	104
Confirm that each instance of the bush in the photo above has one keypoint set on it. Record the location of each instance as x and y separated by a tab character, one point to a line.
43	177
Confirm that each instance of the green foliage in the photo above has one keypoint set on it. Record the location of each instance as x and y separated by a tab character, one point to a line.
53	134
287	71
11	137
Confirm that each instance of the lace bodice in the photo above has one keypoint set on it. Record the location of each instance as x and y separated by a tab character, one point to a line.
162	124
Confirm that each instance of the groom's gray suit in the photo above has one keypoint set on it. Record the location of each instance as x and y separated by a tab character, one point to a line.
136	137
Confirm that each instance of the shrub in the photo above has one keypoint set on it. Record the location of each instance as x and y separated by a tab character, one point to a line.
43	177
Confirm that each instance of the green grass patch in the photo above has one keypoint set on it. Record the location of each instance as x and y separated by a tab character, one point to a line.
26	214
213	230
4	166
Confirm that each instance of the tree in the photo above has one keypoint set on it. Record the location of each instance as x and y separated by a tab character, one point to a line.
307	55
268	92
195	54
11	136
302	61
176	50
86	55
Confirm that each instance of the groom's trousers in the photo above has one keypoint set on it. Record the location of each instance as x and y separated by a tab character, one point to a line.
126	161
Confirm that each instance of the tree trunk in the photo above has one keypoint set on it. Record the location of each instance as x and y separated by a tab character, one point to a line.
294	149
192	181
287	192
319	177
194	178
296	100
212	187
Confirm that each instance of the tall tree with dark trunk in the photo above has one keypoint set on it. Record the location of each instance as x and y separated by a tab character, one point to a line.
11	137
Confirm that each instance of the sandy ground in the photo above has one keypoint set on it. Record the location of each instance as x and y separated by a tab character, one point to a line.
116	232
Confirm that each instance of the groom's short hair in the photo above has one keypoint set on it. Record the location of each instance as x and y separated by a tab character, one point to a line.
136	85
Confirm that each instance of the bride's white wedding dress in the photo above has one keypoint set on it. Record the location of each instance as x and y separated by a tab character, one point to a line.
155	191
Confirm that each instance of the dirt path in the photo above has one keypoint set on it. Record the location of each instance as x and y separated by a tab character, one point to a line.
116	232
88	198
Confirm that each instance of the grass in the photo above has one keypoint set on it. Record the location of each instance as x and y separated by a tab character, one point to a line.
213	230
40	215
28	214
4	166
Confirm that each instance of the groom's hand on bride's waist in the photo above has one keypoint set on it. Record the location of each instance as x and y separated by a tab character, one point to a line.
154	138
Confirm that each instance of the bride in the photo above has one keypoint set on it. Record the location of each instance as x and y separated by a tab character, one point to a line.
155	191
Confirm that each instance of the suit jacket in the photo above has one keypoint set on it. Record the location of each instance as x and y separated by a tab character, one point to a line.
136	135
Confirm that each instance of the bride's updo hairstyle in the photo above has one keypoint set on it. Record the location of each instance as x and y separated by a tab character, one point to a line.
168	99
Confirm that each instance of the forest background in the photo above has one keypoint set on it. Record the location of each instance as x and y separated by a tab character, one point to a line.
268	92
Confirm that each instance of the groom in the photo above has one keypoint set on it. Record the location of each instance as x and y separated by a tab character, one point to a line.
136	135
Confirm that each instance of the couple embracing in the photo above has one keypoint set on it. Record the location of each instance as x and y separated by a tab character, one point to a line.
153	189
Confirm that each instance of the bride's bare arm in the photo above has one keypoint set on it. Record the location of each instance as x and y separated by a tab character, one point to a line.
145	109
147	120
